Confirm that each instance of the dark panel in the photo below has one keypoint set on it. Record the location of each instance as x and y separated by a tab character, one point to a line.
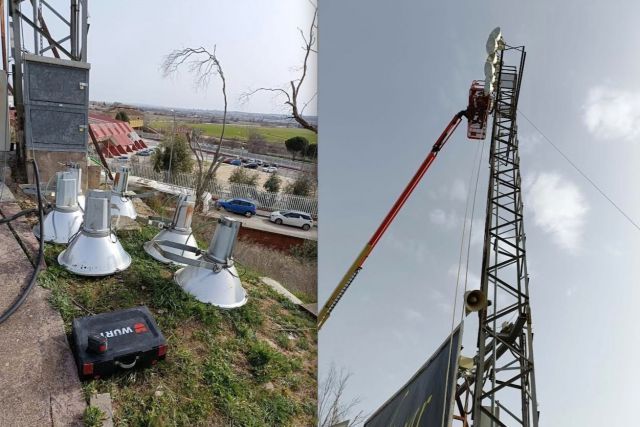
56	129
425	401
56	83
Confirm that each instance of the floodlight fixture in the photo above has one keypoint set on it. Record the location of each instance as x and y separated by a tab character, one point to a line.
95	250
64	221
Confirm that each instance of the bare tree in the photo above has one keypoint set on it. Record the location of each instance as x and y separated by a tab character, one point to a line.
331	407
292	94
203	65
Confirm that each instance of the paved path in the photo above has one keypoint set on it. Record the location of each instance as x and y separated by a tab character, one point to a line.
38	382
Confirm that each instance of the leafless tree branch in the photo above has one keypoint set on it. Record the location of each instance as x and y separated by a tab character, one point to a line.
331	406
204	65
292	95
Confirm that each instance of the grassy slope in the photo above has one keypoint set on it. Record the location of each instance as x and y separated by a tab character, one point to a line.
253	366
274	135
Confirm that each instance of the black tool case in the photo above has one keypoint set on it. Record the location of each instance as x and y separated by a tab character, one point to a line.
119	340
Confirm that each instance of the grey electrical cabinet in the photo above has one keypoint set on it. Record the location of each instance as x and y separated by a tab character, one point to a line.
56	104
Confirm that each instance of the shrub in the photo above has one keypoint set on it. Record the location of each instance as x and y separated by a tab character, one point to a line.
272	184
242	176
302	186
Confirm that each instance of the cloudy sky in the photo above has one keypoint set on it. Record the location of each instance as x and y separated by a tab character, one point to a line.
257	41
391	75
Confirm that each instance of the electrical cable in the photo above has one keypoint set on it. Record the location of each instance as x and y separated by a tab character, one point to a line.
39	261
18	215
584	175
478	158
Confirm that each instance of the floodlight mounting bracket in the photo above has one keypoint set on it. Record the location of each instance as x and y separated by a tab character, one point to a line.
159	221
202	262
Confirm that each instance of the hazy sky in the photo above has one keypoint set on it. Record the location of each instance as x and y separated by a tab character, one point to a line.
391	76
258	44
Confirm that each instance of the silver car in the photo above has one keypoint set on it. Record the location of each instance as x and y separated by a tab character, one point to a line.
294	218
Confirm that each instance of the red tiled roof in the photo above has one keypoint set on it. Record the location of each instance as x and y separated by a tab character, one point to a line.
118	136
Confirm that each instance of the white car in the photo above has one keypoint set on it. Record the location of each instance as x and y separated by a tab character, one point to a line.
270	169
294	218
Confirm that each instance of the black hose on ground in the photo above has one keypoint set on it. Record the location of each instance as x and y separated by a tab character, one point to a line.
34	276
18	215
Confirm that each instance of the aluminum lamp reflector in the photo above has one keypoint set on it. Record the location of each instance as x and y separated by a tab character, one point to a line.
121	204
64	221
95	250
222	289
211	278
179	231
76	170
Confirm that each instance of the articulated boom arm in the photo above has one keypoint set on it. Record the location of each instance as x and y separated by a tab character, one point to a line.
357	265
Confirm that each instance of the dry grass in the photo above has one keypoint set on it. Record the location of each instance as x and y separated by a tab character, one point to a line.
301	278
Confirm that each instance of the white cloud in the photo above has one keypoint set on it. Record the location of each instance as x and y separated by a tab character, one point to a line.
612	114
444	219
458	191
413	315
558	208
528	143
473	281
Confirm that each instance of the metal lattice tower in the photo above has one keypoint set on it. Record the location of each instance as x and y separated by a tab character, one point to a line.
502	388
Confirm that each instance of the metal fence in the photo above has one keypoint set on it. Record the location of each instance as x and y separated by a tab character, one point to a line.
280	161
263	199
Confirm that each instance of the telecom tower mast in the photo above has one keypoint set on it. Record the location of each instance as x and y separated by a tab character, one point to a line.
501	384
496	387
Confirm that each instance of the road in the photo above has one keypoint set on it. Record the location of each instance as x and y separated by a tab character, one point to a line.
259	222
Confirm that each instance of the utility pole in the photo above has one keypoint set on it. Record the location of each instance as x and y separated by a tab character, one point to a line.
173	133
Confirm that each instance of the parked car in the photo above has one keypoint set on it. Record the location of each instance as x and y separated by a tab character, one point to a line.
294	218
239	206
143	153
251	166
270	169
123	157
236	162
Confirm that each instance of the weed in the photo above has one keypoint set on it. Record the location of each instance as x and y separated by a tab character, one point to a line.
216	367
93	416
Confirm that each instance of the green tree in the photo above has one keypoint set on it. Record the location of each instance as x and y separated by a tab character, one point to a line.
272	184
312	151
181	160
242	176
122	116
302	186
297	144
